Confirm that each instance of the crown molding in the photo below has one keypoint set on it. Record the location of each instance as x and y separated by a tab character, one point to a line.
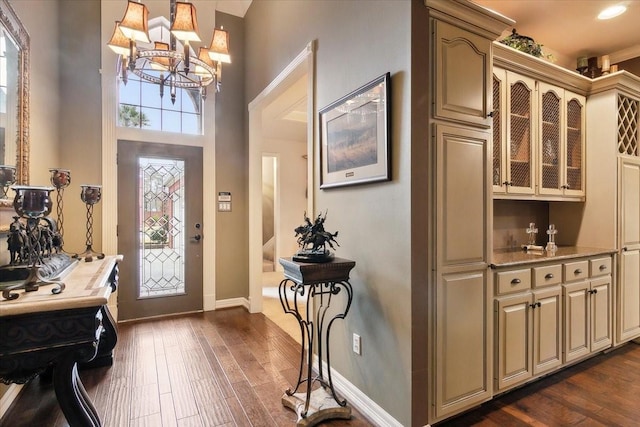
623	81
480	20
539	69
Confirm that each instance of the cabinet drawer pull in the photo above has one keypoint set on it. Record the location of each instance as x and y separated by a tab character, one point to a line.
516	281
577	271
535	304
548	276
603	267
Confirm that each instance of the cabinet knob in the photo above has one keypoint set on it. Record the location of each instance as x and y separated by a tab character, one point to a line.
593	291
490	114
516	281
549	276
625	249
577	271
603	267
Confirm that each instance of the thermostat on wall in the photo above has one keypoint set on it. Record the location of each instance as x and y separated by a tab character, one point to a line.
224	201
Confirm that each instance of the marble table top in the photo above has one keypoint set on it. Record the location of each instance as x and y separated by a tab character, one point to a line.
85	286
513	257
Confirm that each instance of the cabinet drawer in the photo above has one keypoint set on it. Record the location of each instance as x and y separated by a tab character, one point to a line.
600	266
547	275
513	281
576	271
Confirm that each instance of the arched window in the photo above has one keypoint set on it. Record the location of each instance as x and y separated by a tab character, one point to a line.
141	104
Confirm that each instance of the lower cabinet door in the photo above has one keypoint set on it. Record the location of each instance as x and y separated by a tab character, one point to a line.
463	371
513	340
547	329
601	327
576	320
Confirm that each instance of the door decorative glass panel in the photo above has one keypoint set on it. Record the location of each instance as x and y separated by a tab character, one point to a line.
520	136
574	145
162	240
550	140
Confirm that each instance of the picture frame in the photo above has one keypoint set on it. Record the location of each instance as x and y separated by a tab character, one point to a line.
355	143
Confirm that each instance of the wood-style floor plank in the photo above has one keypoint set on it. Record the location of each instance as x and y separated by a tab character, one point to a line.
229	368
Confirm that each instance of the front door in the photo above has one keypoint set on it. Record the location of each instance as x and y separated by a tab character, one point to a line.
159	229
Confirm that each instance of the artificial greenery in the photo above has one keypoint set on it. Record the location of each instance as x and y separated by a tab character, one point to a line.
523	44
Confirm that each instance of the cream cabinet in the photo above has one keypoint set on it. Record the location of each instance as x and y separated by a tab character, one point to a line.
528	325
539	133
628	298
550	314
612	219
587	311
455	178
513	118
561	130
463	354
462	75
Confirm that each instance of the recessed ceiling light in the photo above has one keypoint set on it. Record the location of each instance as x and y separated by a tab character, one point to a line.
612	12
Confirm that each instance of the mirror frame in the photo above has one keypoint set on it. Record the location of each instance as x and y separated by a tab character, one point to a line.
14	27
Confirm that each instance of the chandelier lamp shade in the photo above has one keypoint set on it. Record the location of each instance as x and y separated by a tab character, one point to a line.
168	64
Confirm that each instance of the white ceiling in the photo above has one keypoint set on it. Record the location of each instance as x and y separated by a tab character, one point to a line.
569	28
233	7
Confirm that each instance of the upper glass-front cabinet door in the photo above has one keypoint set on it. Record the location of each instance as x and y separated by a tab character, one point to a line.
575	145
520	131
550	136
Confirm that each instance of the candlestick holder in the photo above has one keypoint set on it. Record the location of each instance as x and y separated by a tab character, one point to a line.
60	179
90	195
532	231
7	179
551	244
33	204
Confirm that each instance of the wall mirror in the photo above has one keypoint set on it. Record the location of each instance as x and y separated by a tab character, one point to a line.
14	95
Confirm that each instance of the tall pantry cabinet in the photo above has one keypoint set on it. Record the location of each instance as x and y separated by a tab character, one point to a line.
459	305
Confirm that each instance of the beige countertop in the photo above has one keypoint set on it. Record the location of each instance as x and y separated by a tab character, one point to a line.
85	286
514	257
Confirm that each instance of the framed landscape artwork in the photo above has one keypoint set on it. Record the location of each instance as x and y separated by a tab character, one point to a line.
355	136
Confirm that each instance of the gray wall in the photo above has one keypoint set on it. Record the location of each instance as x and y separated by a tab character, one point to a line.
80	107
356	44
232	250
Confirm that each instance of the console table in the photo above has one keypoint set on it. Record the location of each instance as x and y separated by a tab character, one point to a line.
41	330
316	284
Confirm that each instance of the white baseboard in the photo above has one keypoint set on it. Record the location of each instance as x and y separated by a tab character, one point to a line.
358	400
232	302
8	397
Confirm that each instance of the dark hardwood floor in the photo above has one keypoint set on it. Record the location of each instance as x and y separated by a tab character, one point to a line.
601	391
230	368
220	368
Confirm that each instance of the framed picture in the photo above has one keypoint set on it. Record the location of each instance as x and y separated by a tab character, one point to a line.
355	136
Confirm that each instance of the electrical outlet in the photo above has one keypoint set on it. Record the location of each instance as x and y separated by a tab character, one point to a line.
357	349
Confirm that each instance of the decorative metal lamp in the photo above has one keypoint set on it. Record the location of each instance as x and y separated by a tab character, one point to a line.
33	204
7	179
90	195
60	179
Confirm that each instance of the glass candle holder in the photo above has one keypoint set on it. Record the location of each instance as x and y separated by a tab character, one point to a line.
32	202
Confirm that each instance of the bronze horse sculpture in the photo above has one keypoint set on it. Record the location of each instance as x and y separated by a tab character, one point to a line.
313	238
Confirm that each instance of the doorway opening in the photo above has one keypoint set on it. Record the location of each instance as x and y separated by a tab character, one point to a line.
280	181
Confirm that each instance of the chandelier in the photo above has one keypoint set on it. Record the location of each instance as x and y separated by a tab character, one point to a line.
172	64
